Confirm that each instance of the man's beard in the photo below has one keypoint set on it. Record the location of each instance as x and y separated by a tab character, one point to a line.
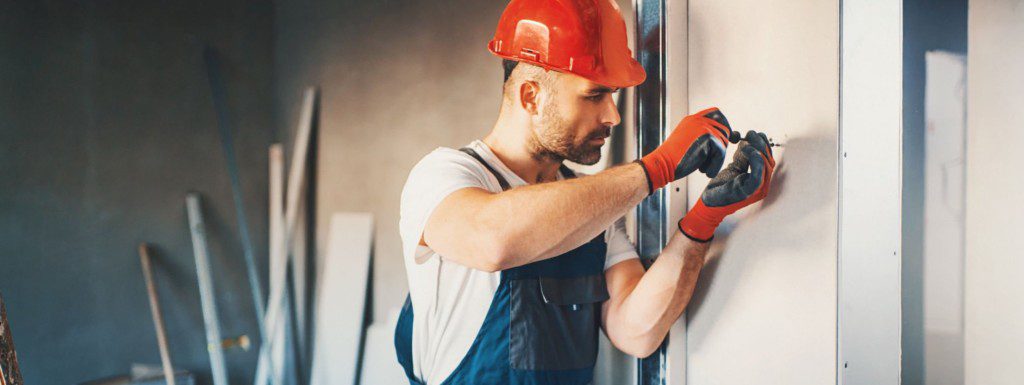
556	141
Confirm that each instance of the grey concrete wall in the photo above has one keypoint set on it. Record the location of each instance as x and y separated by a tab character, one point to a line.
106	121
397	79
993	338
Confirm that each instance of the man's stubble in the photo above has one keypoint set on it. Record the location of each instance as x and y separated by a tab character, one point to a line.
556	140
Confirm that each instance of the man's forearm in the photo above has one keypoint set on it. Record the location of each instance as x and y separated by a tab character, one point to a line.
544	220
661	295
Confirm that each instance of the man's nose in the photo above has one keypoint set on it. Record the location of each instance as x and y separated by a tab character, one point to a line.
610	115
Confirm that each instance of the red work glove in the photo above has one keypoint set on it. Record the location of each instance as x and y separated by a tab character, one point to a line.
698	142
746	180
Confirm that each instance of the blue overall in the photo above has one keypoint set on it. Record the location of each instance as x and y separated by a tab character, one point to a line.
542	325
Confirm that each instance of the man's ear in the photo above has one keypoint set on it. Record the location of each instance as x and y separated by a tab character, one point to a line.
529	92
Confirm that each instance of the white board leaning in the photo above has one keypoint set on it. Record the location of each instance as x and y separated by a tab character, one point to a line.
341	299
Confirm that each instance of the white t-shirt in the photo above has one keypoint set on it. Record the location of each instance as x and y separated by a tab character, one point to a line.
449	300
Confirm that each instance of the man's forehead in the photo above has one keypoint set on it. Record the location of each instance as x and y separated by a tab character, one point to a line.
588	86
571	81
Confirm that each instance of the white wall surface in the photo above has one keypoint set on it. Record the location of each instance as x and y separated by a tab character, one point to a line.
765	308
993	336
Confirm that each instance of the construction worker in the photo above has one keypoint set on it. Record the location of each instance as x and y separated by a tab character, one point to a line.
514	262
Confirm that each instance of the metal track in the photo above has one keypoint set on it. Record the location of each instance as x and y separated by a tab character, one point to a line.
651	214
219	94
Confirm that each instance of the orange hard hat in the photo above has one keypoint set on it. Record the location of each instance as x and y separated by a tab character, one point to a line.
582	37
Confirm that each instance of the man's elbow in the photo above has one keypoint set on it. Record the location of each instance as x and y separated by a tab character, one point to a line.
641	338
502	251
498	254
491	265
639	348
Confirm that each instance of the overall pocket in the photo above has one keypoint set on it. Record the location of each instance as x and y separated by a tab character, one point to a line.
554	322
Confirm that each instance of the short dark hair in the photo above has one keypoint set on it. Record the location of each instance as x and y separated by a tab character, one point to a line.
509	66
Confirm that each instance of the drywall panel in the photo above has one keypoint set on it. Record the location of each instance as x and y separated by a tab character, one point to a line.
993	338
869	192
342	300
765	307
943	263
379	364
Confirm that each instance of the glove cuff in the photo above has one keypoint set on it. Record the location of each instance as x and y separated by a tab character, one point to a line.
647	176
657	170
700	223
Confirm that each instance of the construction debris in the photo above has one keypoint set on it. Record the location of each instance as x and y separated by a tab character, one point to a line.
207	296
9	372
158	318
277	305
143	374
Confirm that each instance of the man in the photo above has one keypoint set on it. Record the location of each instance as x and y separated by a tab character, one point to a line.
514	262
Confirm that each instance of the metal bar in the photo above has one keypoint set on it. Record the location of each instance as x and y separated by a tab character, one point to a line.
651	214
299	267
158	318
206	294
296	176
219	94
269	366
277	262
676	106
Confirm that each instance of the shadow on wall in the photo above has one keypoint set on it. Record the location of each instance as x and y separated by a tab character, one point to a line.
800	188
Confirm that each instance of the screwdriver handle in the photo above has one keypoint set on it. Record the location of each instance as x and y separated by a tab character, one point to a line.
735	137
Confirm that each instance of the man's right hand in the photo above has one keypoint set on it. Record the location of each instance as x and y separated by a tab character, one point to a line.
745	181
697	143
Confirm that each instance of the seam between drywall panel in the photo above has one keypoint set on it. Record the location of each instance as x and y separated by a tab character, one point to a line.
839	195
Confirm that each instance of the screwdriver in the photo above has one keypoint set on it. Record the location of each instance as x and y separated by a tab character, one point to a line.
734	137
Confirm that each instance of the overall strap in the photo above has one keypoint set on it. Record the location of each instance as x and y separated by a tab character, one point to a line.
501	180
567	173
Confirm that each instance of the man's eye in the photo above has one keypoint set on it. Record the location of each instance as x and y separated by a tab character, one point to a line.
595	98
